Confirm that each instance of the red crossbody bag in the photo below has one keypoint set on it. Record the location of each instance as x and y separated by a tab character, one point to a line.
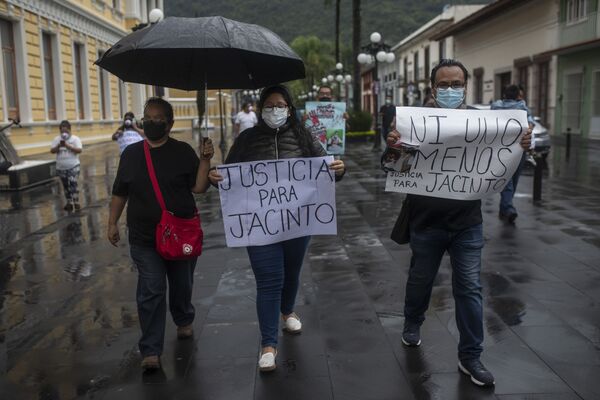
176	238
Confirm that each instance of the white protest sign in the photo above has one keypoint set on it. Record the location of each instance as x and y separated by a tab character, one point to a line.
455	154
266	202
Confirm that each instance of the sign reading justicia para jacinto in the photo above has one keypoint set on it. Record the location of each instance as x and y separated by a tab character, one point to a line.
455	154
265	202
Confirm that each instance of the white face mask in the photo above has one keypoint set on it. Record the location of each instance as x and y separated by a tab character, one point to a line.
275	118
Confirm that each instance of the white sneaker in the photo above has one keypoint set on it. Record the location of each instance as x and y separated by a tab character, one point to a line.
293	324
266	361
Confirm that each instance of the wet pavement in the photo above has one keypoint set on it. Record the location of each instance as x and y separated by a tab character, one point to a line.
68	321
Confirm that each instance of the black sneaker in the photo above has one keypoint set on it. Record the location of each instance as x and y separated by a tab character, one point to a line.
478	373
411	335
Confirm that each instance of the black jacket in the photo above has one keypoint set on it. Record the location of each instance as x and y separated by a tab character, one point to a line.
263	143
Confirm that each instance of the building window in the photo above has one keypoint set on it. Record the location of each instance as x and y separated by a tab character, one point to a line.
426	66
103	99
572	99
596	94
78	54
442	49
49	76
416	66
116	4
478	86
524	79
405	71
9	68
576	10
502	81
542	92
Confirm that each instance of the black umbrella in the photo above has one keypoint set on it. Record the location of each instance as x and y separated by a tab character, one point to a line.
205	52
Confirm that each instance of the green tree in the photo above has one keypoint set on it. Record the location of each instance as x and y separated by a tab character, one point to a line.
318	61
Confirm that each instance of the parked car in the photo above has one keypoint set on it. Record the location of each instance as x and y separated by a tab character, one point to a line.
541	137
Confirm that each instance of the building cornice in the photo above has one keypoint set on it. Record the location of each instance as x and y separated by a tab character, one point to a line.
72	16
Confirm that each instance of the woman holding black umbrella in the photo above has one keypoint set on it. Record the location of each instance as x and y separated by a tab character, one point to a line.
279	134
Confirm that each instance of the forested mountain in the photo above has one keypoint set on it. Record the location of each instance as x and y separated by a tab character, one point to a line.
394	19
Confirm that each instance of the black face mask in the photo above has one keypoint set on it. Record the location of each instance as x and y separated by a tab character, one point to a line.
155	130
324	98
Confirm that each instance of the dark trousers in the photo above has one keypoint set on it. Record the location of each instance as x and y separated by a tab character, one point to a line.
153	274
428	247
507	194
276	269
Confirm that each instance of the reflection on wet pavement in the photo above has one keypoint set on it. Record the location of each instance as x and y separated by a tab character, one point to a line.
69	327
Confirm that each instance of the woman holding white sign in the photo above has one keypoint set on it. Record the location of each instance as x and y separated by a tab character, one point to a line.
278	135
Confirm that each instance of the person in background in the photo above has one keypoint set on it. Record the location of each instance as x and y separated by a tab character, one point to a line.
245	119
180	174
387	113
128	133
278	135
512	100
67	148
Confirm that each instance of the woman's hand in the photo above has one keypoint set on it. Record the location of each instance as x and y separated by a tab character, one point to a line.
208	150
113	234
526	139
393	138
214	177
338	167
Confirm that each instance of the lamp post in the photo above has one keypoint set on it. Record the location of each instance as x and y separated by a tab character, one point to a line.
378	52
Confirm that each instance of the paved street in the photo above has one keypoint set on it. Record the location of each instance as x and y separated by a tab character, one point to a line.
68	321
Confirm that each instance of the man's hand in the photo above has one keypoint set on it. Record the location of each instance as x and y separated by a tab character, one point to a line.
526	139
337	167
113	234
393	138
214	177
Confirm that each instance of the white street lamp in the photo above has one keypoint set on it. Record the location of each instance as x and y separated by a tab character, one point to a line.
348	78
324	81
339	77
362	58
245	92
339	66
330	78
155	16
381	56
375	37
390	57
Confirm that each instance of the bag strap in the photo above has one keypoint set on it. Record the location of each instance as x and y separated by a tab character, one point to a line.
150	166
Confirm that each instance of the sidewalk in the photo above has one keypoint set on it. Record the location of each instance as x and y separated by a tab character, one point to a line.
69	322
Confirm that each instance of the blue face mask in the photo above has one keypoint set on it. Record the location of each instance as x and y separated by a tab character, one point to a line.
450	98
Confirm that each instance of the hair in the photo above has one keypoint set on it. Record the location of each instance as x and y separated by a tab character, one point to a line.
325	87
511	92
167	107
64	122
128	114
446	63
302	134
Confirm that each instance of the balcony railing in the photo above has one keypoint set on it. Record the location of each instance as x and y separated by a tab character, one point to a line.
587	28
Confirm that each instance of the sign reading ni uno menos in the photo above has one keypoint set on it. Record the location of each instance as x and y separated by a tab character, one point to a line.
455	154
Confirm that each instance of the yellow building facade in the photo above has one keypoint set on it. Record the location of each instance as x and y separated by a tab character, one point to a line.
47	70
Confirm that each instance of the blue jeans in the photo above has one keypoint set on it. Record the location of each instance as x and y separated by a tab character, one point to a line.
428	247
153	274
276	269
507	194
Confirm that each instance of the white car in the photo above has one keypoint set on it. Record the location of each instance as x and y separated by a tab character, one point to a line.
541	138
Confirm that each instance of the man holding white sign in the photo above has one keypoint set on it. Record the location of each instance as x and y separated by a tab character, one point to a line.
447	161
277	189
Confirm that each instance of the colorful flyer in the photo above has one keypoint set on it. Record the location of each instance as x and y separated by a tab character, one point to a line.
326	122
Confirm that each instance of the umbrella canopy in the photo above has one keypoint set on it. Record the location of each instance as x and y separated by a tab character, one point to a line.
187	53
